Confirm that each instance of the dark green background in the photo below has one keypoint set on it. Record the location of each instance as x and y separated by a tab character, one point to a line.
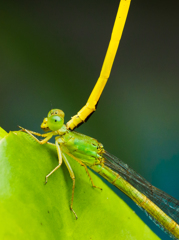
51	53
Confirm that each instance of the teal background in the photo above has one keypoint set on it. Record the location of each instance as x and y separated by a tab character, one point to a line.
51	53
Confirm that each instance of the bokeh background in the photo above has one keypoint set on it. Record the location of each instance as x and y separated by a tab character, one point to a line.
51	53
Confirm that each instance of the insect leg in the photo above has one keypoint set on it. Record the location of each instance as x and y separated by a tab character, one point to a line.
45	140
73	179
59	161
34	133
82	164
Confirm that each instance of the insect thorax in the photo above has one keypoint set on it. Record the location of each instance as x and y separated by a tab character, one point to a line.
85	148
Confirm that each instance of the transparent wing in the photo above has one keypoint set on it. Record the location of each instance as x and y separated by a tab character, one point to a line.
165	202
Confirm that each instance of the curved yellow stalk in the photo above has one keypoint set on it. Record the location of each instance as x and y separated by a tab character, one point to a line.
90	106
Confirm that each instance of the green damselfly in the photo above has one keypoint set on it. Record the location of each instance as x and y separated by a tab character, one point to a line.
161	208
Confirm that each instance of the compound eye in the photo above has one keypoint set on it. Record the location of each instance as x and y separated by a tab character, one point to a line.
55	122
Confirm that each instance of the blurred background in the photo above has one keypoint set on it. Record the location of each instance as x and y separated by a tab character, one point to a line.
51	53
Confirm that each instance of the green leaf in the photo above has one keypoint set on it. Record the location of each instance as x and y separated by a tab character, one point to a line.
3	133
29	209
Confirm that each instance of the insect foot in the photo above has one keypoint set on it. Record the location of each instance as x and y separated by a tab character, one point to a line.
74	213
46	179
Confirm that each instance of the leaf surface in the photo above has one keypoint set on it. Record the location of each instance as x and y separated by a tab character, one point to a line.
29	209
